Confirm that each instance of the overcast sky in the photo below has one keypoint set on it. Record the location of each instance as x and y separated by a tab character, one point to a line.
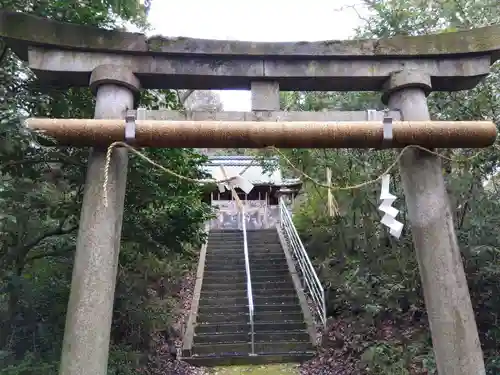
255	20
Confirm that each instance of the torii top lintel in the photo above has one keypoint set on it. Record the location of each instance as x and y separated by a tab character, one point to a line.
64	54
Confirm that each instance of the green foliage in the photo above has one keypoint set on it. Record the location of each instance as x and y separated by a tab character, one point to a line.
30	364
368	274
41	193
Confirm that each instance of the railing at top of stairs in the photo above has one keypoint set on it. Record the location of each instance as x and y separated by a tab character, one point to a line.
311	283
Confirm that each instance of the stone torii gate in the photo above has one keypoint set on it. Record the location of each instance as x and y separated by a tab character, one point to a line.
116	65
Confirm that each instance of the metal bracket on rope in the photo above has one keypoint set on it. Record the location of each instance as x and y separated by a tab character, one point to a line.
129	128
371	115
387	128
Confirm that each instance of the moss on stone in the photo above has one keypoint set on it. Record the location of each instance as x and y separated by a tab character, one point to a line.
39	31
25	30
461	42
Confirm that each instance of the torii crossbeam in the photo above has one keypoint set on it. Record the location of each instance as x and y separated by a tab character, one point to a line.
258	134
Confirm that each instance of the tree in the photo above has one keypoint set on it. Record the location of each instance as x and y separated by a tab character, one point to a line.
203	100
369	276
40	199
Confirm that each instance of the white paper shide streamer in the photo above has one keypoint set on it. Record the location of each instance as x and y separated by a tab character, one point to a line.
236	181
389	219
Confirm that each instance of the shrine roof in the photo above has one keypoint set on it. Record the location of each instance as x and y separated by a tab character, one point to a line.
255	173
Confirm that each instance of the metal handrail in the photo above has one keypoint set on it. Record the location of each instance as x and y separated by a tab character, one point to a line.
312	285
249	279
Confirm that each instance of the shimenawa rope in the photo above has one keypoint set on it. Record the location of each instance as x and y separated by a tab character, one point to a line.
279	152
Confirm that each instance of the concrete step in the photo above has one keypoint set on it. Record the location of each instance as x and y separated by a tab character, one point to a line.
264	246
252	253
271	336
238	234
257	265
276	317
226	338
266	285
258	300
226	277
275	347
240	259
226	233
221	328
290	314
245	337
243	292
223	274
222	249
222	260
215	256
225	239
261	234
218	266
209	310
269	258
257	242
270	267
234	360
240	264
245	327
271	277
205	317
225	247
215	279
230	258
237	273
221	293
255	270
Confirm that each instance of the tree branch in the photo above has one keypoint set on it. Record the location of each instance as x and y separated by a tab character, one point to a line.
3	51
35	161
55	253
182	98
22	251
55	232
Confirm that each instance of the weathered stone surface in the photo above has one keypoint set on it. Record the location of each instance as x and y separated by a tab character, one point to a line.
165	114
405	79
112	74
63	54
72	68
21	30
265	96
34	30
455	339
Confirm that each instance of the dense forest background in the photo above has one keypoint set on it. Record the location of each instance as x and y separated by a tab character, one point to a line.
377	320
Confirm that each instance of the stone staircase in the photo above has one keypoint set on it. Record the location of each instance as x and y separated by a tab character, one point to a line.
222	331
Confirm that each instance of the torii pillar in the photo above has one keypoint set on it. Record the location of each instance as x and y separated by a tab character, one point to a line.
88	320
451	318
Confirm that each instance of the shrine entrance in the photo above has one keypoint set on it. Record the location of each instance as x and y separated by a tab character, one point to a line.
405	69
261	204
